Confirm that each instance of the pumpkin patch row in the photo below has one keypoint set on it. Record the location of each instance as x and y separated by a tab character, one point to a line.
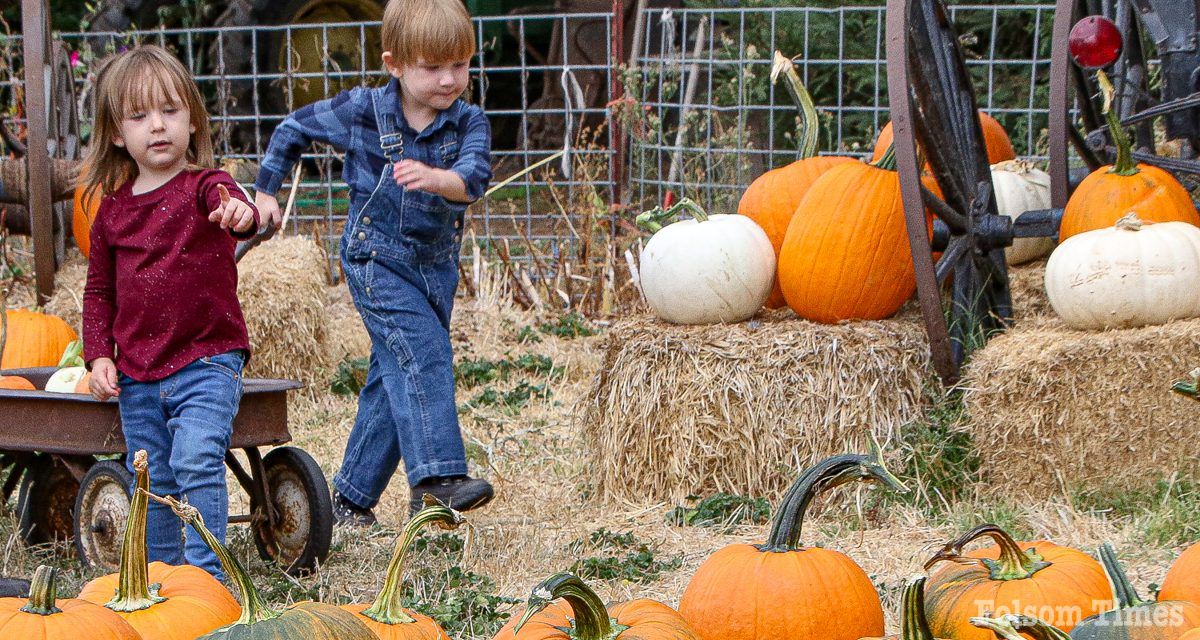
836	228
778	590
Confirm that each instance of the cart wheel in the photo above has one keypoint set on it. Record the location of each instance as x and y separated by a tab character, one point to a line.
101	511
304	512
46	502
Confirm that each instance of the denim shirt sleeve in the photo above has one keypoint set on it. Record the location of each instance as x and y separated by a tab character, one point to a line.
474	164
332	121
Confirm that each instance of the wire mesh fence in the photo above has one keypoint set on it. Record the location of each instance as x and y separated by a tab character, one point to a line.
711	121
696	107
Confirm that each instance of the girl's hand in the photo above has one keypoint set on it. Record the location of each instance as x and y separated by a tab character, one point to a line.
103	383
419	176
232	213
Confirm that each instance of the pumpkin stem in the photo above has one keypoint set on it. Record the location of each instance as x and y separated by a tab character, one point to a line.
887	161
1014	564
1123	590
654	219
43	591
826	474
1130	222
810	123
255	609
387	607
73	355
591	621
1189	388
915	626
1010	626
1124	165
134	592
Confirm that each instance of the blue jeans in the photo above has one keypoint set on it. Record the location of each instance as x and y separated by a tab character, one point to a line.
184	422
406	410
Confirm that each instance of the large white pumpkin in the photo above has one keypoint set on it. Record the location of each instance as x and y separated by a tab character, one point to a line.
1128	275
1021	187
718	270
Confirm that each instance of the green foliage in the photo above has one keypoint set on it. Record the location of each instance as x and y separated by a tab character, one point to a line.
568	326
469	606
473	372
350	377
939	455
513	400
619	556
721	510
1164	513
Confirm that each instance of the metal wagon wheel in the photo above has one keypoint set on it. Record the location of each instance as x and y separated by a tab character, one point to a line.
298	533
101	513
933	113
1156	80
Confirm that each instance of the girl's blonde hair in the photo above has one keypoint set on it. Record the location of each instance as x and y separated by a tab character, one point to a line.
144	76
436	31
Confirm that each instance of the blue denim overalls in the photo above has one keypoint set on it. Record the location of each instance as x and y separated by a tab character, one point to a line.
400	256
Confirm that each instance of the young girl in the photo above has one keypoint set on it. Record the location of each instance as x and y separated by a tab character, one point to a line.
162	328
416	155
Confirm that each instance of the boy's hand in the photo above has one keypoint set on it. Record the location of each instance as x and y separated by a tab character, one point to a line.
411	174
103	383
232	212
268	208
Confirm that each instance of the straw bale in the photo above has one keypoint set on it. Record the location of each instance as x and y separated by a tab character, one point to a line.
1055	411
677	411
67	301
346	337
1027	283
281	284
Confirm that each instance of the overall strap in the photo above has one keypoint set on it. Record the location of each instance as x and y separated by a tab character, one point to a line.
391	140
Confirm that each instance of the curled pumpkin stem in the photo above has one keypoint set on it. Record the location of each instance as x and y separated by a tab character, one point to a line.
810	123
657	218
1014	563
1124	164
1189	388
1011	626
591	621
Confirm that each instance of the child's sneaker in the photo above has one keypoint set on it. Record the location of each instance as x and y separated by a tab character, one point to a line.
461	493
349	514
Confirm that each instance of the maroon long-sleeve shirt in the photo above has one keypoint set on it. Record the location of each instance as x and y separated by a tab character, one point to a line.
161	287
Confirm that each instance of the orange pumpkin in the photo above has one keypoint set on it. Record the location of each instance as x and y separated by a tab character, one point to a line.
1123	187
87	203
846	254
562	607
781	589
187	602
1134	618
387	616
16	383
772	198
1182	581
34	339
995	138
1010	576
44	617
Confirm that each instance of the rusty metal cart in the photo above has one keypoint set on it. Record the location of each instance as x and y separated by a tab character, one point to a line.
64	455
933	111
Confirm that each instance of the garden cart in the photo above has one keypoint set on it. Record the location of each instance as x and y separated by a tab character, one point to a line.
64	455
933	110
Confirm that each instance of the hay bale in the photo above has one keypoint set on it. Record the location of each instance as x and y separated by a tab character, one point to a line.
67	301
346	337
676	411
281	285
1027	283
1055	411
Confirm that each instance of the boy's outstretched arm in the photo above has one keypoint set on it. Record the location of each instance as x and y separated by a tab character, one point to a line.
333	121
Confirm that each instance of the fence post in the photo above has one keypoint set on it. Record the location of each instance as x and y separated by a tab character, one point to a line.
616	90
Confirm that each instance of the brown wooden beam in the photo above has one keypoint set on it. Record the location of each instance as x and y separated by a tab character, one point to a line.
35	25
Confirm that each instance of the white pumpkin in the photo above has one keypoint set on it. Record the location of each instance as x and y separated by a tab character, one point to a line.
1021	187
1129	275
701	272
66	380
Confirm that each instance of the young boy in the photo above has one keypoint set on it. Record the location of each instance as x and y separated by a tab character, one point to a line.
416	156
